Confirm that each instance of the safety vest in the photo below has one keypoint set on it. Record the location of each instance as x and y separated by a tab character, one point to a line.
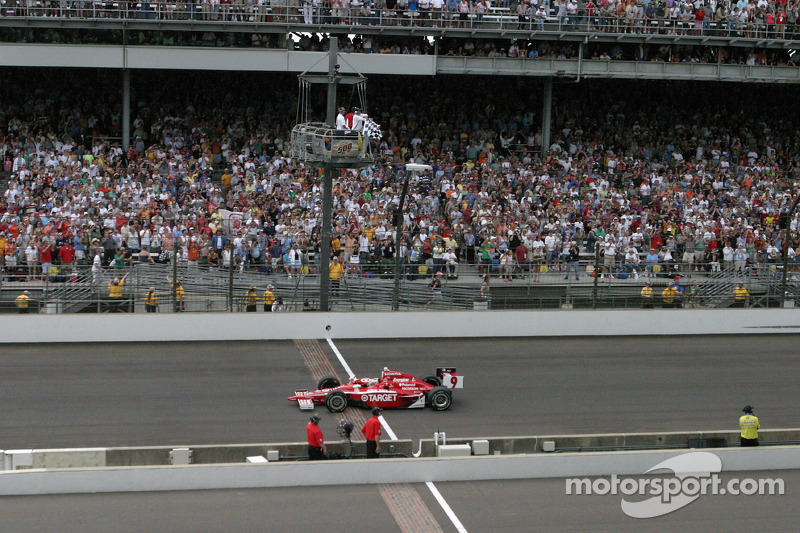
740	294
647	292
749	426
151	299
252	298
269	297
335	271
22	301
179	292
115	290
668	295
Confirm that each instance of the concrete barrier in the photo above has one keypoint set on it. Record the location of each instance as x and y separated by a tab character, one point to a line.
596	442
372	471
238	453
287	326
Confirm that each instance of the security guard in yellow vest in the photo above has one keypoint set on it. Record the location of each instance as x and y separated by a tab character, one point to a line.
749	425
740	295
115	293
180	295
668	296
269	298
22	302
151	301
251	299
647	296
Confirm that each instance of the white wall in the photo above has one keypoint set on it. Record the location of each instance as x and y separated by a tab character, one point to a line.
201	477
203	58
309	325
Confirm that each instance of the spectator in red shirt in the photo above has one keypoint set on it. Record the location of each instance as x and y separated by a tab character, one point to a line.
316	444
372	432
66	254
47	260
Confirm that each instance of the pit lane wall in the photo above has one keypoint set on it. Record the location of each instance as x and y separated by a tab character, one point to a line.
376	325
373	471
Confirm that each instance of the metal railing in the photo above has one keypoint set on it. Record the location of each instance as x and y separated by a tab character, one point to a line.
369	286
494	18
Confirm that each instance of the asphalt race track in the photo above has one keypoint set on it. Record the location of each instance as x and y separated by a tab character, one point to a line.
235	392
515	506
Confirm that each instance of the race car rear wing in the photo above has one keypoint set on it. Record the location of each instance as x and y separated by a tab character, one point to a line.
449	378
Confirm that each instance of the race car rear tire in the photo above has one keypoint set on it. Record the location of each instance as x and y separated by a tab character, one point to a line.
328	382
336	401
439	399
432	380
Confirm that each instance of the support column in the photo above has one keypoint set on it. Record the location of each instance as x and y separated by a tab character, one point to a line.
327	186
547	108
126	109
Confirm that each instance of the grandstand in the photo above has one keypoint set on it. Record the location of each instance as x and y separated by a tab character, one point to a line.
158	133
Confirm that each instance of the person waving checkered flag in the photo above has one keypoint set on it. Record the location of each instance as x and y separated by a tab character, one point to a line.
372	129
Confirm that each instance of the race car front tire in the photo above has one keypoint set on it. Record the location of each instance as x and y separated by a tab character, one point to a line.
336	401
439	399
328	382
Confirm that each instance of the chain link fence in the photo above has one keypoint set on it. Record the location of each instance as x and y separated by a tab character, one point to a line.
370	287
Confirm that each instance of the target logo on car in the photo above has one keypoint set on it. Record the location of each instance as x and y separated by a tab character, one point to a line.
377	397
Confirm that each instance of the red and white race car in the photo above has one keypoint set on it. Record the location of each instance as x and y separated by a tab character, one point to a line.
392	390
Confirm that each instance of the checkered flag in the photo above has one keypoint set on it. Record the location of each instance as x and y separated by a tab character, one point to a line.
372	129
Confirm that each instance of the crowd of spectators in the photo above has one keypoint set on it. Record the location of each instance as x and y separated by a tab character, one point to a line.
414	45
533	49
679	175
741	18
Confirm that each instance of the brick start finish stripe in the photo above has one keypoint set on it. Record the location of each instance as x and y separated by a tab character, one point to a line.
319	365
409	511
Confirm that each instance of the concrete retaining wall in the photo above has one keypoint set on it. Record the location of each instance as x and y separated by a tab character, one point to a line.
589	442
238	453
266	326
201	477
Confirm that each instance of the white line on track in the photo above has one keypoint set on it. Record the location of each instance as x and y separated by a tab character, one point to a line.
388	429
341	359
450	514
436	494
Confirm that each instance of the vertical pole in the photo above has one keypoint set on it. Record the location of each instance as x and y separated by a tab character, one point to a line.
398	222
126	109
230	282
136	289
327	187
175	241
547	108
786	237
596	273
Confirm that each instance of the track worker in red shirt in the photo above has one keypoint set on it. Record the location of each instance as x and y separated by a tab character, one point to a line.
372	432
316	444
